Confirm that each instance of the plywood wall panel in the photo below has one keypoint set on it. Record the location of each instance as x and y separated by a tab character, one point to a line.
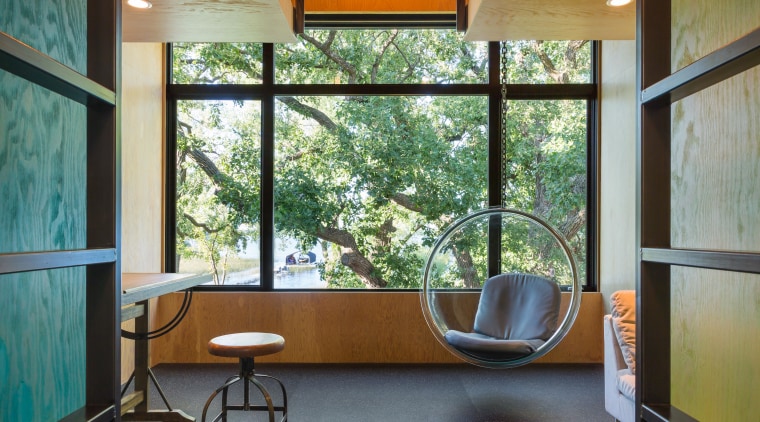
42	344
716	204
702	26
142	168
55	28
142	136
339	327
43	172
43	153
715	339
716	166
617	213
715	200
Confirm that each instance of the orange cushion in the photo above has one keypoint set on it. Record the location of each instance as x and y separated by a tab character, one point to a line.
623	304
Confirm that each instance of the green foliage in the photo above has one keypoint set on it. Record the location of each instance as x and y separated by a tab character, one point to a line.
373	180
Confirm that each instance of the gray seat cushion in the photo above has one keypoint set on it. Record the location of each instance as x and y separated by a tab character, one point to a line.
488	348
516	314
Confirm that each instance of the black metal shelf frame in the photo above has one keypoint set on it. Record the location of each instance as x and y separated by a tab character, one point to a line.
658	88
28	63
35	261
717	66
745	262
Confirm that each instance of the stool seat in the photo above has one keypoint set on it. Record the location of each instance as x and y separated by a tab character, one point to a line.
241	345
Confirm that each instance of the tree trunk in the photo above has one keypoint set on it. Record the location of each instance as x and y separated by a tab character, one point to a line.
351	256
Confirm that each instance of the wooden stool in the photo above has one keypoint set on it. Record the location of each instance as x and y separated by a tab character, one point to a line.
246	346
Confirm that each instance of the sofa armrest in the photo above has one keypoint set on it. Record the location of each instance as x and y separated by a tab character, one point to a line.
613	362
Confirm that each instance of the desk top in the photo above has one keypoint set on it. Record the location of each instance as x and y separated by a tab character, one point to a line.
137	287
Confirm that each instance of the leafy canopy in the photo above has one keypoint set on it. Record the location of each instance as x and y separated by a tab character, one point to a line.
373	180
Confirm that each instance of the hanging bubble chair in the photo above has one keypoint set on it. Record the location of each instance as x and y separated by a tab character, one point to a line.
492	284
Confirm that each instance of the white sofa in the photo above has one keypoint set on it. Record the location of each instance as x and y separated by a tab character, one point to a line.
620	356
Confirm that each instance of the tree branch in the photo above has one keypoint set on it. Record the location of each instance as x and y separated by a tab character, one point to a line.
198	224
351	256
310	112
546	61
325	48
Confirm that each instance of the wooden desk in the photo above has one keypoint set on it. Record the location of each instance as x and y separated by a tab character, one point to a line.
137	289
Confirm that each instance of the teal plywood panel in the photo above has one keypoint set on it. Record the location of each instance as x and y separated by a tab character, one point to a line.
42	344
56	28
43	169
43	188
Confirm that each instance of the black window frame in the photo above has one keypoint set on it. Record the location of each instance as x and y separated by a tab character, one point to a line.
267	91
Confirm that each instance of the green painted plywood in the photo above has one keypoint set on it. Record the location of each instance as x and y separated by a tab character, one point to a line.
43	169
56	28
42	344
43	186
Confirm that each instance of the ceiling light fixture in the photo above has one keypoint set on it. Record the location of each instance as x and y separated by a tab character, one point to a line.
616	3
143	4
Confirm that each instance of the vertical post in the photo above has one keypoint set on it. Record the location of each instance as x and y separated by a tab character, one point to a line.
142	352
267	171
653	215
104	206
592	173
462	16
298	17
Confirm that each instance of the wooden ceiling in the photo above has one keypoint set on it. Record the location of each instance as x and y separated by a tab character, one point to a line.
495	20
213	21
272	20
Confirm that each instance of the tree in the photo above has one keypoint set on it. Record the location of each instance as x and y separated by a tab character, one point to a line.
374	179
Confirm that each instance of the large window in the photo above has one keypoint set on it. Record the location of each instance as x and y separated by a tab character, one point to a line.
337	161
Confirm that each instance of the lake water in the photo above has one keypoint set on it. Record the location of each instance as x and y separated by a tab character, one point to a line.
297	277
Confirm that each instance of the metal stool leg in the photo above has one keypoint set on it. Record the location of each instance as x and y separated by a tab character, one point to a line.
284	396
230	381
248	374
267	398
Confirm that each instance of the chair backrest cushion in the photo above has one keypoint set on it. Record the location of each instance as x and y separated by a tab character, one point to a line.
518	306
623	312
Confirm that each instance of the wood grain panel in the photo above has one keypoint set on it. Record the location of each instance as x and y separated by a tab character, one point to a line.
142	137
346	327
42	344
217	21
495	20
271	20
42	207
715	202
42	169
617	212
142	169
702	26
716	167
55	28
715	335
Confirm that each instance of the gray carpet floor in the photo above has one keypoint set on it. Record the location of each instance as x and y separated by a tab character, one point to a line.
400	393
